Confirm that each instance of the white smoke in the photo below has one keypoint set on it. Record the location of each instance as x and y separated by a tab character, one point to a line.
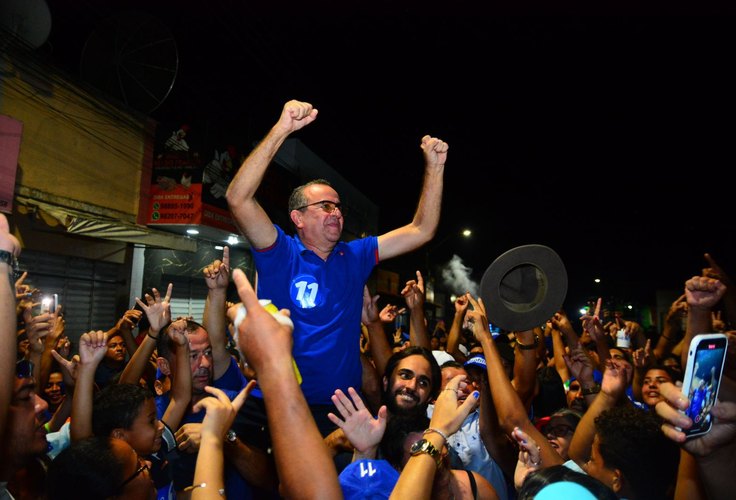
456	277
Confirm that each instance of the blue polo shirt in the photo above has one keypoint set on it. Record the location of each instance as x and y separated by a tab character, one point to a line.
325	299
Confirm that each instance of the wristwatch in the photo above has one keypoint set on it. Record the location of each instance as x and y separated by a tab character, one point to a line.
231	437
528	347
588	391
424	446
12	262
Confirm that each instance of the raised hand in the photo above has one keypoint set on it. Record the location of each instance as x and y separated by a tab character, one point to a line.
37	328
592	323
220	411
296	115
617	376
177	332
643	357
716	272
579	363
69	367
670	409
413	292
92	347
370	310
529	456
461	303
388	314
158	310
24	294
435	150
448	416
703	292
260	335
362	430
217	274
130	320
677	311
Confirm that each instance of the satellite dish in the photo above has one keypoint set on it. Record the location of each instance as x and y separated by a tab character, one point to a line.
133	58
29	20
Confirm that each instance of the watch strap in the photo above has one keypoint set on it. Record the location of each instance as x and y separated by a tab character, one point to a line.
528	347
424	446
588	391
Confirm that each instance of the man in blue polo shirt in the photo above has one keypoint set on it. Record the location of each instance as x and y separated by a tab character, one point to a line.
316	276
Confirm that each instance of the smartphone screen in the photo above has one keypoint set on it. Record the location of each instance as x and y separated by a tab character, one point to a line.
705	361
49	303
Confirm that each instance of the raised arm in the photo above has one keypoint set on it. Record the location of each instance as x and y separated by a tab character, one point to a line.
181	391
125	326
8	319
714	452
593	327
526	359
702	294
158	312
453	338
217	277
248	213
362	430
377	340
558	347
292	427
509	408
672	328
92	348
424	225
417	477
616	377
729	298
413	294
219	415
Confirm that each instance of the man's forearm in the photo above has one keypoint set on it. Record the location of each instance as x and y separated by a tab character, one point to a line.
245	183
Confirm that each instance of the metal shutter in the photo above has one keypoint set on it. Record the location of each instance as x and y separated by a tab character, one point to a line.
87	289
187	297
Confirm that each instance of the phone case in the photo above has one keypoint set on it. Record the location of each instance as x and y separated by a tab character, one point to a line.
703	373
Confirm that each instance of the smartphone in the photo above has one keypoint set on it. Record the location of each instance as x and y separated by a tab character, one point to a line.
706	357
49	303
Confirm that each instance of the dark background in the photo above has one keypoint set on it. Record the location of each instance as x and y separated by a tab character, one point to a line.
606	137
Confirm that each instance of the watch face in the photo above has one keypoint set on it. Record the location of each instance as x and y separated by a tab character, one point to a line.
231	436
419	446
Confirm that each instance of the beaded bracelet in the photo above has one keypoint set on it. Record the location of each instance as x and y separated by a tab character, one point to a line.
444	436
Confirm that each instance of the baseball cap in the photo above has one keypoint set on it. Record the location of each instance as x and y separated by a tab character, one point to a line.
368	479
442	357
564	489
477	360
571	418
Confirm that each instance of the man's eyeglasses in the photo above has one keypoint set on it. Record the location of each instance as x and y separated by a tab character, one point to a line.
558	430
141	467
24	369
327	206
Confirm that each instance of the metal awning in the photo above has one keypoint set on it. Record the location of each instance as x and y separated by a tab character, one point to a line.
108	228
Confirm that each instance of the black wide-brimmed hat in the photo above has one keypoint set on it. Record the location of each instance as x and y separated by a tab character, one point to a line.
524	287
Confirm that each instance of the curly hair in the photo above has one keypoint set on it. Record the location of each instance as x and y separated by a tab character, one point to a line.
631	440
86	469
116	407
537	480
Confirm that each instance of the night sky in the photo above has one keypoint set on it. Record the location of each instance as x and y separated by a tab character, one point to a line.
608	139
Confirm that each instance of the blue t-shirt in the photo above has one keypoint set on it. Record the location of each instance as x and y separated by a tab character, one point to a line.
325	299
